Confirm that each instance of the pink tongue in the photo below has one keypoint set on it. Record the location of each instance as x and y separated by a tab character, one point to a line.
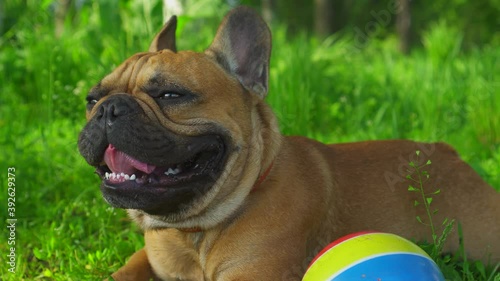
119	162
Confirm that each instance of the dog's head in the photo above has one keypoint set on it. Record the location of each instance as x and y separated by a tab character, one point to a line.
180	138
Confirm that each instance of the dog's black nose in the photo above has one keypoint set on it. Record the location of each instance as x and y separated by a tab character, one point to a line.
116	106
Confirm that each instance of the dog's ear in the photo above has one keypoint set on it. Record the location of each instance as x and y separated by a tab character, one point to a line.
242	46
165	39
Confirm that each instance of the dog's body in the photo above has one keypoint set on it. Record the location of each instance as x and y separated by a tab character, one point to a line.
222	195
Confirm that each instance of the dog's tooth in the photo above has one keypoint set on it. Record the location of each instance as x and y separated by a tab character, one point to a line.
127	177
132	177
106	176
176	171
169	172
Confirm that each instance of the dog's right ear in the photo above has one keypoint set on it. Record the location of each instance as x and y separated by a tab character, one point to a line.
242	46
165	39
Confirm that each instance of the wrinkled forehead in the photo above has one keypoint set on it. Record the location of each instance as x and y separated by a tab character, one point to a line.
187	69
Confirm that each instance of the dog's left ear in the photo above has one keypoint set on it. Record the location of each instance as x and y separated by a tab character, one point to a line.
242	46
165	39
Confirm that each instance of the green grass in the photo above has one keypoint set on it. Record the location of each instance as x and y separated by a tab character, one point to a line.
330	91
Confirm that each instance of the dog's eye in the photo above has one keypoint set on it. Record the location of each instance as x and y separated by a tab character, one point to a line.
170	95
91	100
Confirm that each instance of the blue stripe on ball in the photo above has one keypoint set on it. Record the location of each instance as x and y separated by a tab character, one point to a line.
391	267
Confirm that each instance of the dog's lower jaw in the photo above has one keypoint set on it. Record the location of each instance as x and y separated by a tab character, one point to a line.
214	214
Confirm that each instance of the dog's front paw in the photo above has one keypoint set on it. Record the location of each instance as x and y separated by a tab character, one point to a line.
136	269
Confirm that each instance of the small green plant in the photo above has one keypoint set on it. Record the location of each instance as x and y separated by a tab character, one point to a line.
453	267
418	177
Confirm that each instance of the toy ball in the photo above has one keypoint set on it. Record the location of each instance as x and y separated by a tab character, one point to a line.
372	256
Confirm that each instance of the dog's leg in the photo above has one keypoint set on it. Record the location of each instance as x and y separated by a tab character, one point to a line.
136	269
173	256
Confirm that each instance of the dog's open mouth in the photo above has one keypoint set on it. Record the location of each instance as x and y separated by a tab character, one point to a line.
122	170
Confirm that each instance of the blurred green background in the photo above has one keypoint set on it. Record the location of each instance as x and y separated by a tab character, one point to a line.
340	71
